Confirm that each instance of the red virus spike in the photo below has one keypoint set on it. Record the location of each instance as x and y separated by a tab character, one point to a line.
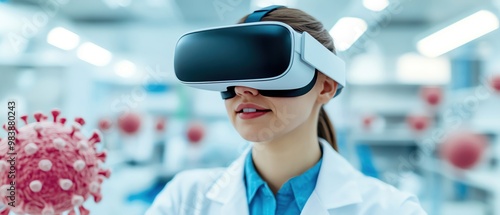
55	155
5	212
7	130
105	172
97	197
80	121
62	120
25	119
83	211
38	130
102	156
55	114
44	118
74	128
38	116
95	138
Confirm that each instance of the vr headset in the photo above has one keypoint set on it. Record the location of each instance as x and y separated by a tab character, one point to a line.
268	56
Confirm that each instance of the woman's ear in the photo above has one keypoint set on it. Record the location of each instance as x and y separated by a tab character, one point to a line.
328	88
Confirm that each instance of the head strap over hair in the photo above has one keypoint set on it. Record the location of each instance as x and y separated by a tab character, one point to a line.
260	13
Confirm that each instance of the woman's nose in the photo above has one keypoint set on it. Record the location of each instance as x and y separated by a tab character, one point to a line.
240	90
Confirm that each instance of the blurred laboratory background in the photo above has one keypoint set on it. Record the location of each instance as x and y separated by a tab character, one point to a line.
421	110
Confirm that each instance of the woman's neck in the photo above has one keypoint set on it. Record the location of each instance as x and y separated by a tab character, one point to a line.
287	156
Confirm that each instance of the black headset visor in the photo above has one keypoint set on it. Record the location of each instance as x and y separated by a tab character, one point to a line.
225	54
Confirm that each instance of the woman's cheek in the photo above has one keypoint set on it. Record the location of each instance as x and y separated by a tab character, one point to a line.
291	114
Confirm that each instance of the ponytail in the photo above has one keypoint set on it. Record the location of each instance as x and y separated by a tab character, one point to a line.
325	128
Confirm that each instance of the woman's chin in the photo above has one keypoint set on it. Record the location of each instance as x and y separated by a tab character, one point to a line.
256	134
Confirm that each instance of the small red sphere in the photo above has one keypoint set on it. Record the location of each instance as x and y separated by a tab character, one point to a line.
195	133
418	122
463	150
432	95
160	124
368	121
495	83
129	123
105	124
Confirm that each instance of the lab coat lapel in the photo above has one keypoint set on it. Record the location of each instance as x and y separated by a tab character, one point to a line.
335	186
229	190
314	206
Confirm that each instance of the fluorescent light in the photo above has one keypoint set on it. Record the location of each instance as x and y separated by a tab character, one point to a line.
94	54
11	19
458	34
417	69
125	68
63	38
346	31
375	5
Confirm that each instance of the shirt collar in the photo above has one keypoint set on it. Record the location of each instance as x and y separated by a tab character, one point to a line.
301	185
252	178
304	184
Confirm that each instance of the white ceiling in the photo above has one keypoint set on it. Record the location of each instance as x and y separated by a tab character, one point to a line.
146	30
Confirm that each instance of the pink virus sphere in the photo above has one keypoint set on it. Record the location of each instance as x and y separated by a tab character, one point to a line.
129	123
495	83
418	123
463	150
104	124
160	124
368	121
51	168
432	95
195	133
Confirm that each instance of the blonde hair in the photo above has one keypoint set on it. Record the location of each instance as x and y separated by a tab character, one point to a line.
300	22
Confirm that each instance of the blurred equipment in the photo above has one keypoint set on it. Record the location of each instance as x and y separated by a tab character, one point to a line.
56	168
463	149
129	123
160	143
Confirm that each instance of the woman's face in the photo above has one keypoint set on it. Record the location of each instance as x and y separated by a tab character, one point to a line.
259	118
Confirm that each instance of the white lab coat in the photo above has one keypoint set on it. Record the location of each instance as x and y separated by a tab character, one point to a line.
340	189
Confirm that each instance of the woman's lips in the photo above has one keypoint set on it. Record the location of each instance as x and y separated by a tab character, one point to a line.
243	106
251	115
250	111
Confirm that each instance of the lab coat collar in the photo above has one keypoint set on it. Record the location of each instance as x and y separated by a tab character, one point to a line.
335	187
230	188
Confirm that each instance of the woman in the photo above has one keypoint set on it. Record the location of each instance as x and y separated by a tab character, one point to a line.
294	169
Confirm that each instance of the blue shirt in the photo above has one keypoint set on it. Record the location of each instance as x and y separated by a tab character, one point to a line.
290	198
